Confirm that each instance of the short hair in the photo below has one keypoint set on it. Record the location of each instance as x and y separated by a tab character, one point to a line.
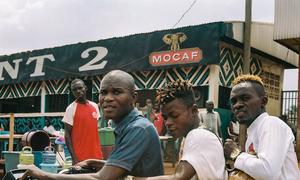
255	79
123	77
77	80
178	89
209	102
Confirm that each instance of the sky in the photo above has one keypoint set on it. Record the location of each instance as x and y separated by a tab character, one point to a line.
36	24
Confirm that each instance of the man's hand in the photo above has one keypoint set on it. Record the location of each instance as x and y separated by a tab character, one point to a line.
34	172
91	164
231	150
83	164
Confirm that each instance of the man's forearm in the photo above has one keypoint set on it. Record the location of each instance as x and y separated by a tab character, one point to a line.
166	177
96	163
52	176
70	147
255	167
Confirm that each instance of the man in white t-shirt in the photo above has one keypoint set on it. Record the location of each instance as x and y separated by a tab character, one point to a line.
48	127
202	156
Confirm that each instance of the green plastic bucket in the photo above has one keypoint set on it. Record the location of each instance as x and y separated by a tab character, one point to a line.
106	150
11	159
107	136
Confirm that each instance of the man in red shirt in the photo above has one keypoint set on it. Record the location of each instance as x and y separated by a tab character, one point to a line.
158	120
81	125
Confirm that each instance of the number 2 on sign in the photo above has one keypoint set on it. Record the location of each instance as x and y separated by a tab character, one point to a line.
91	65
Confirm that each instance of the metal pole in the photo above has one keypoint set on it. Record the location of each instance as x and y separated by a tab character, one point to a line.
298	114
247	37
246	69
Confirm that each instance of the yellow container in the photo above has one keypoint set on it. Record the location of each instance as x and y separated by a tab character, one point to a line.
67	162
26	156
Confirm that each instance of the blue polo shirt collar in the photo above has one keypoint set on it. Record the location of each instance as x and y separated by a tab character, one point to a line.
128	119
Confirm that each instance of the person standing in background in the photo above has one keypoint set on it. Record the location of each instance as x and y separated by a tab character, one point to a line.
147	109
211	119
158	120
81	125
233	129
48	127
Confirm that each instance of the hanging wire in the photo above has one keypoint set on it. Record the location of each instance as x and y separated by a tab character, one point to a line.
132	61
193	3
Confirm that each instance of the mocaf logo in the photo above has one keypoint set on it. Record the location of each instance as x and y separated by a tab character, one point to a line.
175	55
174	40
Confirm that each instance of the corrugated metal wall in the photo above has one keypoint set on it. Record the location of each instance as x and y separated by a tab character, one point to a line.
261	38
287	19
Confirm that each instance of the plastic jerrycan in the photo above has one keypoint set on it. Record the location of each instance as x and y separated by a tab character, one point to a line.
49	157
67	162
26	156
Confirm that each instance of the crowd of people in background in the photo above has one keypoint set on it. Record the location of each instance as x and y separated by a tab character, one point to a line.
269	151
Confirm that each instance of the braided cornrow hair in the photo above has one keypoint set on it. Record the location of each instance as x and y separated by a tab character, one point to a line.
177	89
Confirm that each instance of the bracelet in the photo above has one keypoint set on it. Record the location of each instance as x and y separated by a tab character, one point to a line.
235	153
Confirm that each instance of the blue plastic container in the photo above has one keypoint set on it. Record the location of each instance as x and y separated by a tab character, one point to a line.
51	168
49	157
37	158
11	159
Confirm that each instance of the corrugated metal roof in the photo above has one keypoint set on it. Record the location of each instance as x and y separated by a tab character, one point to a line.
287	19
262	39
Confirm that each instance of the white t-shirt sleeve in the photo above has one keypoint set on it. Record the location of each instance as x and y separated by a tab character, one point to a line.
69	114
204	152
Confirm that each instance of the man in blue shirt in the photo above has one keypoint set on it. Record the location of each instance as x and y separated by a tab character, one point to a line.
137	148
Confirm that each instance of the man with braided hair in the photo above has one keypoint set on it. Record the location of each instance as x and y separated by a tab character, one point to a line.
202	156
269	146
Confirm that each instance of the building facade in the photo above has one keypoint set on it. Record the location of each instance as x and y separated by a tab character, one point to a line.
36	84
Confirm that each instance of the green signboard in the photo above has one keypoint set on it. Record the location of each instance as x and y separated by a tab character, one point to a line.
187	46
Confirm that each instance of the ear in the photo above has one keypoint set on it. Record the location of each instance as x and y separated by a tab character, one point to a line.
134	97
264	101
195	108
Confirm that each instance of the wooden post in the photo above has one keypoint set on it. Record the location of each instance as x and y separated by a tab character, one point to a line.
11	132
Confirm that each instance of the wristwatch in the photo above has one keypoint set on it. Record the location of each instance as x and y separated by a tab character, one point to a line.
235	153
